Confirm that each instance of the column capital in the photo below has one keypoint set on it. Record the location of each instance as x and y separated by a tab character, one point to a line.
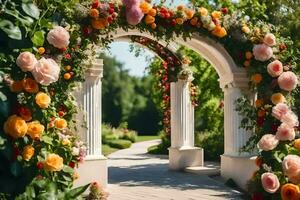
96	70
236	80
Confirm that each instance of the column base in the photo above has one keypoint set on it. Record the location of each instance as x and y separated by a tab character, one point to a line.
94	168
180	158
238	168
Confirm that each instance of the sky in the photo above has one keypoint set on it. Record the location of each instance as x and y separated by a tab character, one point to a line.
135	65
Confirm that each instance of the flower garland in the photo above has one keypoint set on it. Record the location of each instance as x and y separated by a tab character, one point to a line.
43	74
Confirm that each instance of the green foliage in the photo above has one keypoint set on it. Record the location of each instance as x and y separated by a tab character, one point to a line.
212	143
109	133
120	144
163	147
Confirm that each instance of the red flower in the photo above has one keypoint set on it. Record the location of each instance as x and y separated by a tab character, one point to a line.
86	31
257	196
224	10
96	4
68	56
16	153
39	165
72	164
260	121
274	128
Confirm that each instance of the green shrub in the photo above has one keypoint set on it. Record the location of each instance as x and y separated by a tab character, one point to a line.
120	144
212	143
129	135
163	147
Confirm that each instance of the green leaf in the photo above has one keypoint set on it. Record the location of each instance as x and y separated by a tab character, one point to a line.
68	169
12	31
38	38
31	10
47	139
72	194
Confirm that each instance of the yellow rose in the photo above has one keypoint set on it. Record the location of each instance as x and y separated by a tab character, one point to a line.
35	130
53	163
145	7
203	11
61	123
15	126
28	152
219	31
277	98
66	142
42	100
246	29
216	14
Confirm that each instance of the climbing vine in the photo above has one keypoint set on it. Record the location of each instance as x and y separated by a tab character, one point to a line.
45	46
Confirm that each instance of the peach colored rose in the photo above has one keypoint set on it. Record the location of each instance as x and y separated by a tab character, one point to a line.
280	110
53	163
270	182
268	142
59	37
15	126
61	123
262	52
30	85
28	152
285	132
290	118
291	168
290	191
275	68
35	130
26	61
270	39
46	71
288	81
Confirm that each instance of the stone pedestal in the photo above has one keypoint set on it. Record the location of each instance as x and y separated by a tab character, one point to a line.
182	152
237	165
94	167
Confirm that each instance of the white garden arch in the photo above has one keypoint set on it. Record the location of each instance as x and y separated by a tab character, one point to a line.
232	80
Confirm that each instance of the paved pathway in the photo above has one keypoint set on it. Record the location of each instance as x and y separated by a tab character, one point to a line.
136	175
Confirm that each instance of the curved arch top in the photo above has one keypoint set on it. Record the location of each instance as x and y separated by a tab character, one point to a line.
209	49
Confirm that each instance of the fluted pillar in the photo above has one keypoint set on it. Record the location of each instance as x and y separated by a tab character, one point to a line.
94	167
182	152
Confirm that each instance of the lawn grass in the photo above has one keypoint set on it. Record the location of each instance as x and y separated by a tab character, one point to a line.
142	138
106	149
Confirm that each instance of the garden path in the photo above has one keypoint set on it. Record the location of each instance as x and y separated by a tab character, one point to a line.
136	175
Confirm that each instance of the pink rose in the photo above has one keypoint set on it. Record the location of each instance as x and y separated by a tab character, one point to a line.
285	132
280	110
26	61
270	182
291	168
262	52
268	142
270	39
288	81
131	3
275	68
46	71
134	15
290	118
59	37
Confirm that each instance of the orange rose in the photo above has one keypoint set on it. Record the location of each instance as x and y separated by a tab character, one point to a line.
256	78
216	14
145	7
99	23
277	98
259	103
53	163
16	86
219	31
258	161
290	191
15	126
61	123
42	100
152	12
28	152
25	113
30	85
297	144
149	19
94	13
189	13
35	130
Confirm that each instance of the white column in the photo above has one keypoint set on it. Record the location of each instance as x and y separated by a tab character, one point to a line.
94	167
182	152
92	107
182	113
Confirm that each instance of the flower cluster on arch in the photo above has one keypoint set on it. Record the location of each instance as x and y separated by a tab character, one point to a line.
39	129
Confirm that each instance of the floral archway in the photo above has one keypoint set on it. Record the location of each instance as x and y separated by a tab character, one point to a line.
42	60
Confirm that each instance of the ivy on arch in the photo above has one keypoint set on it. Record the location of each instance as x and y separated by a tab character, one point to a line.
42	60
